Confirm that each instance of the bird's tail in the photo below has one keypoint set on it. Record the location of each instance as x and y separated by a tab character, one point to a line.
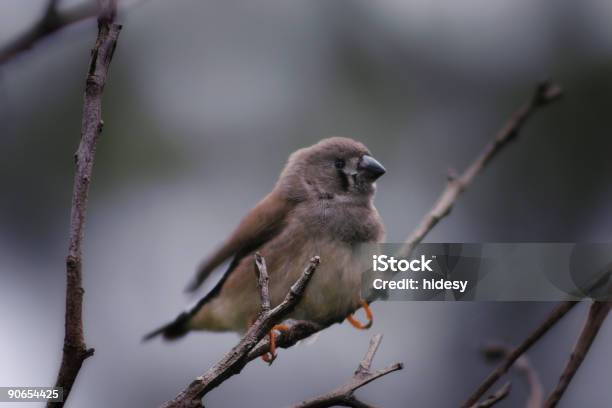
173	330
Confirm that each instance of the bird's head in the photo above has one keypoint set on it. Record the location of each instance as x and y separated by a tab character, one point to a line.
335	166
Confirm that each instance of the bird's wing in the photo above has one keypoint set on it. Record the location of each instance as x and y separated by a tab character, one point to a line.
260	225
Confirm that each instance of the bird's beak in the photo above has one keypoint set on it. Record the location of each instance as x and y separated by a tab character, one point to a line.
371	166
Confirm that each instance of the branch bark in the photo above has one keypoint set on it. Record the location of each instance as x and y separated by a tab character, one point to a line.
545	94
344	395
597	315
75	350
235	360
493	399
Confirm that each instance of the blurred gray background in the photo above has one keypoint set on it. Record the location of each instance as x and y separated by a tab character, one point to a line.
205	101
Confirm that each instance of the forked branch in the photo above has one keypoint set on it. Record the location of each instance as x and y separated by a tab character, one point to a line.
345	394
235	360
493	399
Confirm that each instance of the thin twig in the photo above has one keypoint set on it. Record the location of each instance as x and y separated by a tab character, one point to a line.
545	93
558	312
263	282
494	398
50	22
523	365
75	351
53	20
597	315
235	360
534	384
344	395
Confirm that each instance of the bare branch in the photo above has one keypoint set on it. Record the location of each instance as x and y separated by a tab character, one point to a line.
235	360
75	351
528	372
366	363
597	315
50	22
495	398
53	20
263	282
544	94
558	312
344	395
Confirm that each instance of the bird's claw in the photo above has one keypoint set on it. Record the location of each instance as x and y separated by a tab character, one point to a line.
356	323
270	356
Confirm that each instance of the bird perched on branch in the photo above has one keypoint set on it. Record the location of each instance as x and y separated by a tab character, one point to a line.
321	205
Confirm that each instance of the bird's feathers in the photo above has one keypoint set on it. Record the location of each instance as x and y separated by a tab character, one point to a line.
173	330
260	225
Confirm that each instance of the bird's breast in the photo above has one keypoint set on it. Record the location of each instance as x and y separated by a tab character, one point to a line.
341	219
334	290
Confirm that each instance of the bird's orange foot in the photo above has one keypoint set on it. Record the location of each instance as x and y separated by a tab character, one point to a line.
356	323
270	356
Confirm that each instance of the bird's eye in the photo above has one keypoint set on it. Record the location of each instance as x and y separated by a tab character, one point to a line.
339	163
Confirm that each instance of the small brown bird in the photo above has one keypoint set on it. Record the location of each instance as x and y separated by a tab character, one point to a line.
321	205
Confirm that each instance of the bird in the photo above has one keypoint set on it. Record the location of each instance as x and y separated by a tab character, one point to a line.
321	205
